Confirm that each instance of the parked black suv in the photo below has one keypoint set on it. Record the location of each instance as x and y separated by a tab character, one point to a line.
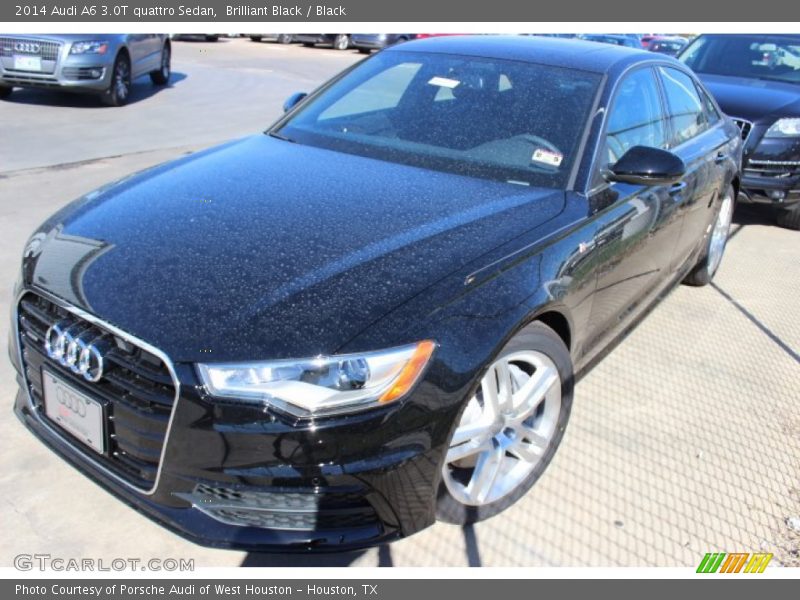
756	80
373	315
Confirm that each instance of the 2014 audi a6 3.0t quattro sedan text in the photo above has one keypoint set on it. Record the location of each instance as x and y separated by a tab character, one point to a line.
373	315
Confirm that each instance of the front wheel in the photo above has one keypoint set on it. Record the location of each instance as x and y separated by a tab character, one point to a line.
703	272
509	429
120	87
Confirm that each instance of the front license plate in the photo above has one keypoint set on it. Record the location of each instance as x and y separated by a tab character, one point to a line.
74	411
27	63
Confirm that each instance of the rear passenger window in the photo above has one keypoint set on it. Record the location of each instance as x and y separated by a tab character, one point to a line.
636	117
687	113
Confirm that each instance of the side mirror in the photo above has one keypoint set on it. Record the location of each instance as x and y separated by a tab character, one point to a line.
642	165
293	100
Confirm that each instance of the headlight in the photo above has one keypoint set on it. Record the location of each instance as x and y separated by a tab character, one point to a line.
89	48
323	385
784	128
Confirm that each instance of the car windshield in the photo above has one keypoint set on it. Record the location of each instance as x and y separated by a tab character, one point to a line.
758	56
494	119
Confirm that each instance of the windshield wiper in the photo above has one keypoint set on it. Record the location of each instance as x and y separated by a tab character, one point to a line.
280	136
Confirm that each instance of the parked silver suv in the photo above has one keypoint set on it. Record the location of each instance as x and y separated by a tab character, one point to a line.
104	64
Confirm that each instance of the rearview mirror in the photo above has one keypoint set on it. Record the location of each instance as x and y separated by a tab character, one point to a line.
293	100
642	165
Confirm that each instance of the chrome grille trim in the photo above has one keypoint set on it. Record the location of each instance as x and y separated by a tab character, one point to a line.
62	436
48	49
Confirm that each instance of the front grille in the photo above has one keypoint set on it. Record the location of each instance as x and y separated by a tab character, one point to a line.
306	510
47	50
778	169
136	387
745	127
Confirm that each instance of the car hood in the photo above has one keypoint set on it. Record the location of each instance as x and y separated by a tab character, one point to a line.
263	248
755	100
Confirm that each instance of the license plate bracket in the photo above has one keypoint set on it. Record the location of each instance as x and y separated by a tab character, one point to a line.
75	412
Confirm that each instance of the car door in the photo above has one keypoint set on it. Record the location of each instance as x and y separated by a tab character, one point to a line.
702	143
639	225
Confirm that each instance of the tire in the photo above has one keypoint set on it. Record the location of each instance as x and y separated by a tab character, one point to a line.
212	38
161	77
341	41
787	217
255	38
284	38
5	91
703	272
536	349
119	90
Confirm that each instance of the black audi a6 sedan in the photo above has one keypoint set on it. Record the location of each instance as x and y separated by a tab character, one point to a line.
756	80
373	315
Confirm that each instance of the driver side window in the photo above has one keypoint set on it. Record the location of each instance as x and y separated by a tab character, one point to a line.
636	117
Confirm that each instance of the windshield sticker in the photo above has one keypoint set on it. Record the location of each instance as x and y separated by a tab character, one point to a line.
547	157
444	82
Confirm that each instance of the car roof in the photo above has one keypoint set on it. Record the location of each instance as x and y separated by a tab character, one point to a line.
557	52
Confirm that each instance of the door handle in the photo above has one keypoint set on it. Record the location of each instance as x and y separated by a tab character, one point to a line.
677	188
720	158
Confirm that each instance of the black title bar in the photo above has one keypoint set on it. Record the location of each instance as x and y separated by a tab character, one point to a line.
521	11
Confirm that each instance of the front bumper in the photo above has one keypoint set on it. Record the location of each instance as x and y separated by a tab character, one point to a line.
58	69
771	171
238	476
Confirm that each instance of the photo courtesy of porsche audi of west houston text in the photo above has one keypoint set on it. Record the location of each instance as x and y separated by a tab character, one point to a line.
380	318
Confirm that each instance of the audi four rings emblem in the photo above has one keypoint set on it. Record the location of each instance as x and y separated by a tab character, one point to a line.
71	402
78	347
29	47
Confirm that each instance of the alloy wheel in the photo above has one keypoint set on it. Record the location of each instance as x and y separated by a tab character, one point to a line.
505	429
122	80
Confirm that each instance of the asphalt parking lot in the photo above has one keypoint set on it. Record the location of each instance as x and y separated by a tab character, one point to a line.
684	440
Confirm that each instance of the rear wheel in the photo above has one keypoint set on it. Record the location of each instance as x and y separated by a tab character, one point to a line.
790	217
120	87
5	91
161	77
341	41
704	270
510	429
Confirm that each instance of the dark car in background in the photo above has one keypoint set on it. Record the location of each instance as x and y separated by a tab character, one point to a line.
281	38
410	270
367	42
628	41
103	64
756	80
338	41
669	45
